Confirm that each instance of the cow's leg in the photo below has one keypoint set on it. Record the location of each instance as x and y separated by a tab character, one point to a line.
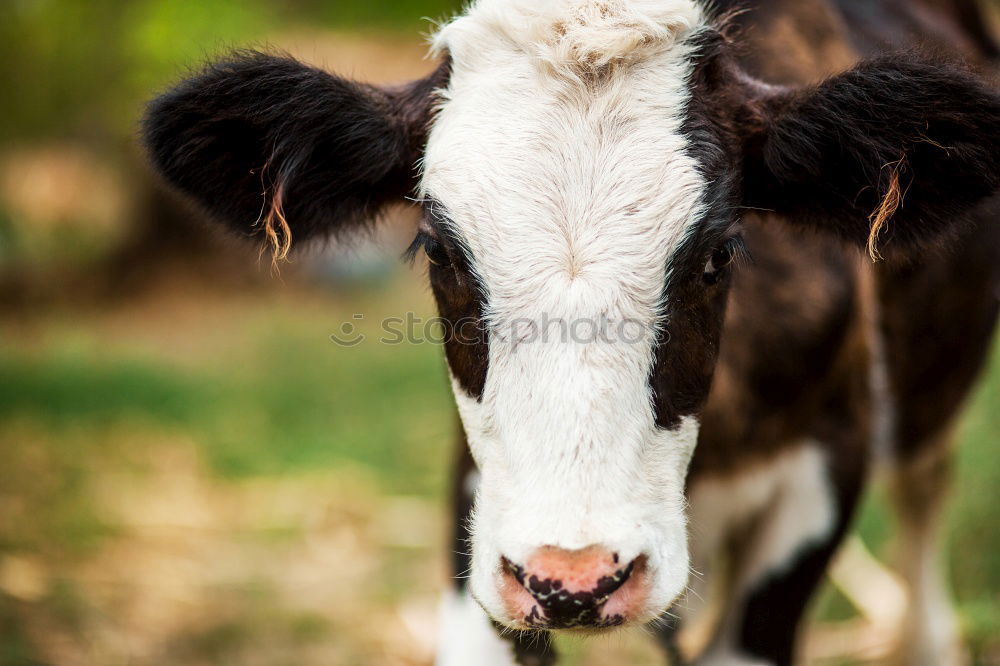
467	635
919	487
806	497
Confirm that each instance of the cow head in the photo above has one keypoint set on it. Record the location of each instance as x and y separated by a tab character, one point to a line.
582	166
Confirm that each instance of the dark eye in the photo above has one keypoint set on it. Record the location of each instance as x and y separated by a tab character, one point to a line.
436	254
435	251
722	257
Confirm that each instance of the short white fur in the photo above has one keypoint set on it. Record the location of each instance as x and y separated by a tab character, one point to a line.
559	157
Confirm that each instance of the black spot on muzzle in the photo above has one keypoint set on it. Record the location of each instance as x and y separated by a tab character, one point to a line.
560	609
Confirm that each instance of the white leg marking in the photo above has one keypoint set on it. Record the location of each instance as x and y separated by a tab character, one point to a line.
792	498
801	515
930	630
467	637
877	592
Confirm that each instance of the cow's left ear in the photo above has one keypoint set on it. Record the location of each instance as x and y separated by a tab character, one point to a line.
891	153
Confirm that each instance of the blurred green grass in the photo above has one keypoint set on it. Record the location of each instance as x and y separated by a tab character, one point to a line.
270	396
80	69
276	396
95	401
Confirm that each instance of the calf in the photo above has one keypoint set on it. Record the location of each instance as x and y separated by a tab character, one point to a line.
637	393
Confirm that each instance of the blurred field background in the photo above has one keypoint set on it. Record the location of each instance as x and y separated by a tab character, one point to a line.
190	471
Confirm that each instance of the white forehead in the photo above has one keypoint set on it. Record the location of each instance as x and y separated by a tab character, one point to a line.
559	153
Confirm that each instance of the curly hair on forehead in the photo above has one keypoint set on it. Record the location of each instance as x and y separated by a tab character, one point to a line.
578	39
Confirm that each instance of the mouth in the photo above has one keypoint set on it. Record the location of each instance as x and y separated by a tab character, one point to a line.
613	601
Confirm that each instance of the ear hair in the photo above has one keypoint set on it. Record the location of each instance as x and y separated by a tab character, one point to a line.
273	147
896	150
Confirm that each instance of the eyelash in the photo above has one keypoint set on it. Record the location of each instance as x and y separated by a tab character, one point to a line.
436	254
733	250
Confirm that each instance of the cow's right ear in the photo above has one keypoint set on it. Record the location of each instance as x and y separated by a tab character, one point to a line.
272	147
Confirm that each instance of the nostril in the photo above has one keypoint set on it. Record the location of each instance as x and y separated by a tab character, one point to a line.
539	588
571	588
511	569
607	585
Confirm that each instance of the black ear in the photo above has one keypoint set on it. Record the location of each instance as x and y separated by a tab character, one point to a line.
895	151
270	146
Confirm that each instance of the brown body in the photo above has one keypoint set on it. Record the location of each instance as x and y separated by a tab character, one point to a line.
800	319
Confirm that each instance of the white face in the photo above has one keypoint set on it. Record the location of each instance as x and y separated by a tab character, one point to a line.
571	192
